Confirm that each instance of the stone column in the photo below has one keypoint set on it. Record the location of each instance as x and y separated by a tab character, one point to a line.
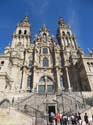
57	73
73	44
62	42
68	80
46	83
24	82
65	42
58	78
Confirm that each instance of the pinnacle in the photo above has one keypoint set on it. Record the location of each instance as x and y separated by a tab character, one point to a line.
61	21
44	28
26	19
25	22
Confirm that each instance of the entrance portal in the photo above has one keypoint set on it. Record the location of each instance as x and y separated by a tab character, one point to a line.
51	109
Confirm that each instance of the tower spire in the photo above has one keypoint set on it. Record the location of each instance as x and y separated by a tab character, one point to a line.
64	35
22	35
44	28
24	22
62	23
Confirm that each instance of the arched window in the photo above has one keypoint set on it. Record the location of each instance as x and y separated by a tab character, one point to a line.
68	33
29	82
44	36
20	31
25	32
45	51
88	63
45	62
63	33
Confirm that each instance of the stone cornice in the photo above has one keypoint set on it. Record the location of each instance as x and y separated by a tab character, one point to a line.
4	56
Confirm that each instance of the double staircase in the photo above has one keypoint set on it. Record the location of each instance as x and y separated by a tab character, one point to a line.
34	105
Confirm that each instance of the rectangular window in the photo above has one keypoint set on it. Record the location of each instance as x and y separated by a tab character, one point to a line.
50	88
41	88
45	51
30	64
45	62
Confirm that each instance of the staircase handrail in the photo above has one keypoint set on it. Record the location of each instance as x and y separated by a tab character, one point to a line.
69	96
1	102
24	100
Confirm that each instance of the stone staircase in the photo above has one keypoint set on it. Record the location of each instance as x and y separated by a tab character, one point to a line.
71	102
34	104
37	101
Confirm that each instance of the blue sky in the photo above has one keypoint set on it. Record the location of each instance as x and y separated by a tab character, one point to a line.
77	13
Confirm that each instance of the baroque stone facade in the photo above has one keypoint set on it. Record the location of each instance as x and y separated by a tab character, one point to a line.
45	64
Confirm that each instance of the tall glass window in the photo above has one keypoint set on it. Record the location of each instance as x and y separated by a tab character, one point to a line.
25	32
45	51
45	62
41	88
19	32
50	88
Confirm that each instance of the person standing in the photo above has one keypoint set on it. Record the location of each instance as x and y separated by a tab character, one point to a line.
65	119
73	119
57	118
51	118
79	119
86	119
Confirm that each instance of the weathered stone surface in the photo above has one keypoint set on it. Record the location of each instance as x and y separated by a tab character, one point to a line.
32	73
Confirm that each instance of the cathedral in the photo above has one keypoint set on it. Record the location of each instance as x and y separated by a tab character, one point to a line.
45	65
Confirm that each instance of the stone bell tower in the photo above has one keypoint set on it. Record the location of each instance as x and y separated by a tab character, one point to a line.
22	35
18	55
69	48
64	35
